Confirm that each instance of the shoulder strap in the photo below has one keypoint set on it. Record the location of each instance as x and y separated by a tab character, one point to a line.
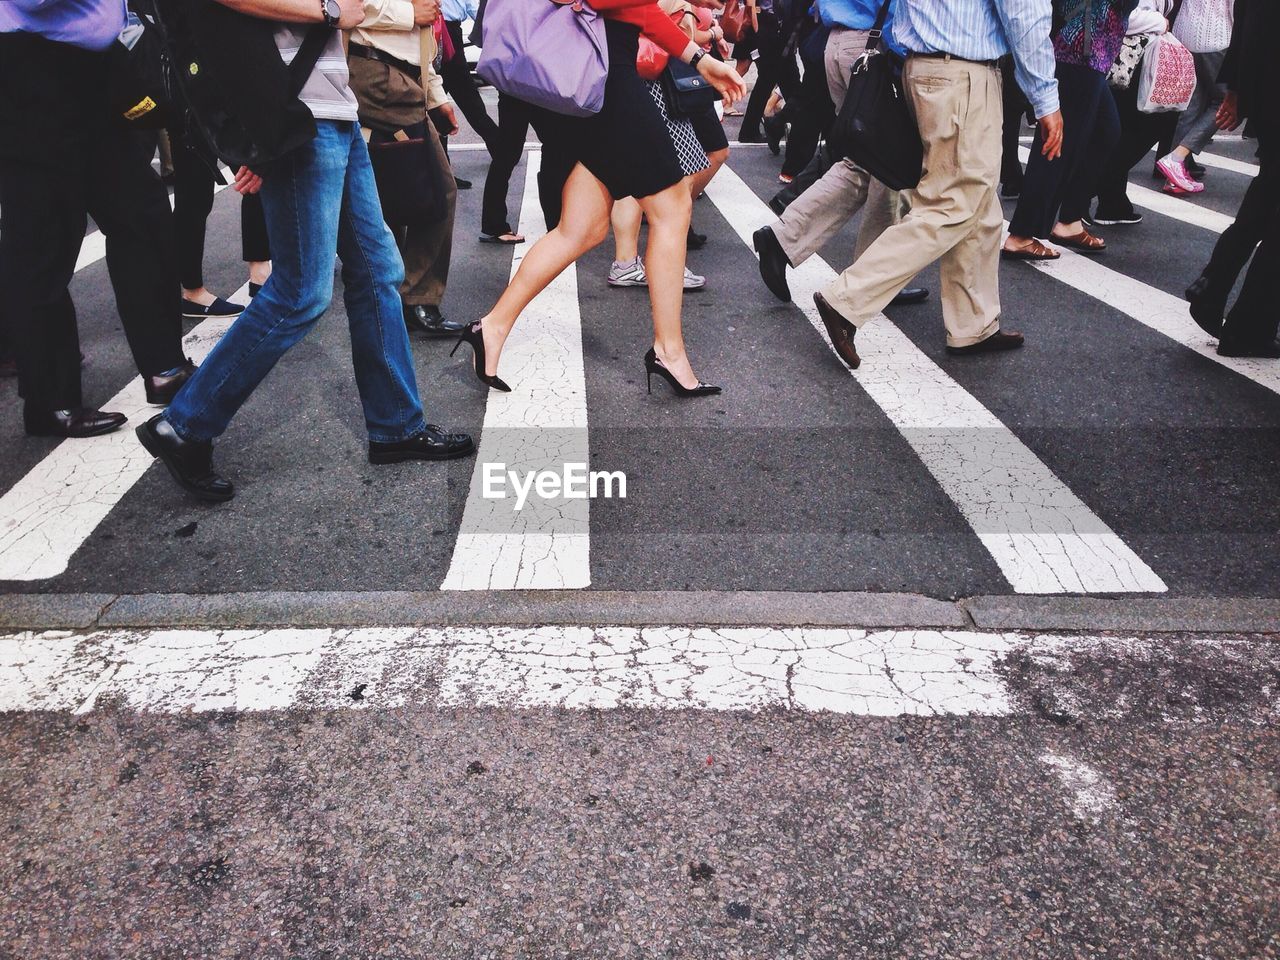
877	31
304	61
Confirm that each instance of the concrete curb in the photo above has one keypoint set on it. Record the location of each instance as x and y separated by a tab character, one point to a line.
704	608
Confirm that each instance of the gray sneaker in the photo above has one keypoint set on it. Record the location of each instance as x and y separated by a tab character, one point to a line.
631	274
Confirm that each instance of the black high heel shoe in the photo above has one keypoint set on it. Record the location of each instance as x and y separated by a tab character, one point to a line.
653	365
473	335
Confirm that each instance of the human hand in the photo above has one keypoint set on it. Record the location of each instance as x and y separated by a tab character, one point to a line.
246	181
425	12
724	78
445	111
1228	116
1051	134
352	14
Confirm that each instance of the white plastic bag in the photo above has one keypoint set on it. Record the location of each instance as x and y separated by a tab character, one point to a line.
1167	78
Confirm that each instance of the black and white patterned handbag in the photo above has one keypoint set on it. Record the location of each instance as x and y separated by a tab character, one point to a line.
1122	72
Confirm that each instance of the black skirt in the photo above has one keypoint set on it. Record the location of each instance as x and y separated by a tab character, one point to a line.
626	145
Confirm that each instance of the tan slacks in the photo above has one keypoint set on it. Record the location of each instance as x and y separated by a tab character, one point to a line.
955	213
819	213
390	100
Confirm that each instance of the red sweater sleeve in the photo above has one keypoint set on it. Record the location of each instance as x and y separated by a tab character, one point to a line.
648	16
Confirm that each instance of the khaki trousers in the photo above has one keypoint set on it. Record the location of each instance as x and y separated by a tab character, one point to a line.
819	213
955	213
390	100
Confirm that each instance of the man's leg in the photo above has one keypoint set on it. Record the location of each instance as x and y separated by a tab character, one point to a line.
458	84
130	204
513	127
962	163
42	222
428	248
371	275
302	200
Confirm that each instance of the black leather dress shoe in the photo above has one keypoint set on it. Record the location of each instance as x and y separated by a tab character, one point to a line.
910	295
76	423
189	463
432	444
430	322
993	344
162	389
695	240
1207	307
773	263
1228	347
462	184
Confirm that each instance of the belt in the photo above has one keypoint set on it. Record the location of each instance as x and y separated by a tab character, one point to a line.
952	56
373	53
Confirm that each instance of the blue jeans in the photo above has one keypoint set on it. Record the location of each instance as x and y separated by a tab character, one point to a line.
320	198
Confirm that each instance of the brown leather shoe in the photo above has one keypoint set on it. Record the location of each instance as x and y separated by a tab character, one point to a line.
840	330
161	389
77	423
996	342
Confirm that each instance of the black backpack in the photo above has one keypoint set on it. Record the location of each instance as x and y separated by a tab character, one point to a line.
241	99
140	83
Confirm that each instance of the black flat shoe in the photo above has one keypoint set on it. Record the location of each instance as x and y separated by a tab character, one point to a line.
993	344
254	289
73	424
219	309
775	129
434	443
840	330
909	296
189	463
1207	308
1260	351
462	184
695	240
162	389
430	322
773	263
653	365
475	339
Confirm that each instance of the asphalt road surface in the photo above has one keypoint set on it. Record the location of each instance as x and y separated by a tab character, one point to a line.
948	657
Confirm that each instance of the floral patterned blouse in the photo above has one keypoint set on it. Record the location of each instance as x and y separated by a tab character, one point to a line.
1093	32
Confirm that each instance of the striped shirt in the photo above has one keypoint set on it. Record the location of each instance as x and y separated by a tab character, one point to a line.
987	30
327	92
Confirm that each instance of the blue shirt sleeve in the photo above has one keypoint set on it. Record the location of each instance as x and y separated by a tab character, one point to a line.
1026	26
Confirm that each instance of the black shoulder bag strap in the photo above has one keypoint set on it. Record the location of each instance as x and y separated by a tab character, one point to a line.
308	54
877	31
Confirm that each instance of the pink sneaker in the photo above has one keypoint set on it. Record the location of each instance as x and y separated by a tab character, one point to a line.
1175	171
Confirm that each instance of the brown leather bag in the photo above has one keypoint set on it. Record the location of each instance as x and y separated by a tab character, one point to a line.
740	18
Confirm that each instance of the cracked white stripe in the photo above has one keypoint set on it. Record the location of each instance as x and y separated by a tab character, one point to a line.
50	512
1043	537
540	425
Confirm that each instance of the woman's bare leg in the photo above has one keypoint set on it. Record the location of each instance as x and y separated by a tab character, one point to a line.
583	225
668	214
626	219
698	181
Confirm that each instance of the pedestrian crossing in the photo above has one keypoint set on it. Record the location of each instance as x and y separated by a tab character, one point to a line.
1041	535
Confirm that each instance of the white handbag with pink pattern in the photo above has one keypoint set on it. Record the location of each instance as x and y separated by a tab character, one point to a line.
1168	76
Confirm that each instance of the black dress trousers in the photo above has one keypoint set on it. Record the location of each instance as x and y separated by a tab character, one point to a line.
63	158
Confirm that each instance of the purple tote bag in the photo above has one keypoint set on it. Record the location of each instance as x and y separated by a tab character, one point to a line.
551	53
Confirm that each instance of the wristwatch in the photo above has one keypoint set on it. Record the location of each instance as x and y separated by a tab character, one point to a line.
693	61
331	11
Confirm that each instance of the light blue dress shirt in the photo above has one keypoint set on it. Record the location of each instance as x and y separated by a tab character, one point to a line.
987	30
455	10
92	24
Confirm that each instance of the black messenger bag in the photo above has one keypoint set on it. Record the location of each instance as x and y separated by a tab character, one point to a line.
874	127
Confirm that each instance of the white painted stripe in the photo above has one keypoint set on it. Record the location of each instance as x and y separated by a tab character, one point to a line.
1044	539
1092	796
1178	208
1227	163
535	145
887	673
50	512
1162	312
847	671
94	246
540	425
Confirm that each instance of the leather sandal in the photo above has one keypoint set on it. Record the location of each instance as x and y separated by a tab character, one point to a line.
1036	251
1082	242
